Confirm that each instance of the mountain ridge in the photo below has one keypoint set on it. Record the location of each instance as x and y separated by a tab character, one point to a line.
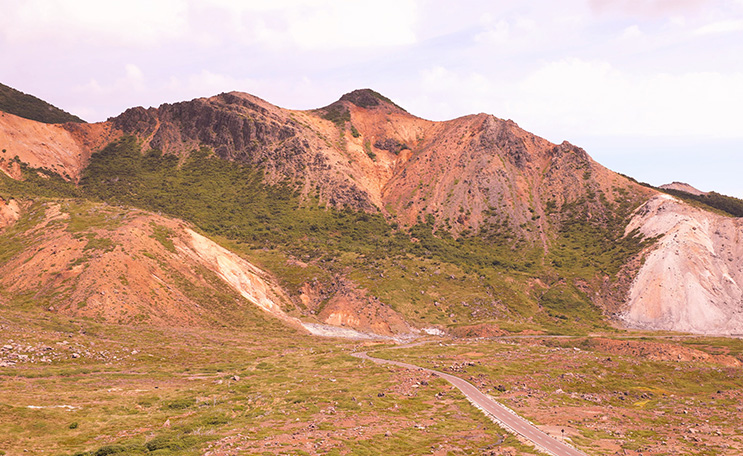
372	144
361	191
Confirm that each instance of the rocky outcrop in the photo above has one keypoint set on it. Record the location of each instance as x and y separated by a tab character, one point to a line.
353	308
342	303
479	171
692	279
243	128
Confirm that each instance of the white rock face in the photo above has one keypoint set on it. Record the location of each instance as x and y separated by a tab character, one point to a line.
245	278
692	280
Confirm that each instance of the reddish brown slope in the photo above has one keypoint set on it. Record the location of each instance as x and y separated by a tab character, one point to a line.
62	148
128	266
479	169
464	172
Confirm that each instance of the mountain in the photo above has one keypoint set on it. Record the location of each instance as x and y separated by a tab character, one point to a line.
683	187
29	107
727	205
366	217
367	153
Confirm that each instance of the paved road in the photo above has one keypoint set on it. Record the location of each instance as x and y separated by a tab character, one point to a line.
503	415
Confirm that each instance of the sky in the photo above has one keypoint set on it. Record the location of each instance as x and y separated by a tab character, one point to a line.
649	88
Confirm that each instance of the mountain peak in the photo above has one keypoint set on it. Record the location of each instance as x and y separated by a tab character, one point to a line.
368	98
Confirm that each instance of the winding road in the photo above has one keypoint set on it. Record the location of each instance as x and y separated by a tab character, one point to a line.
495	410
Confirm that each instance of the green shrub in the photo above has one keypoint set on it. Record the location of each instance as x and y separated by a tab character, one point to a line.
30	107
179	404
368	150
727	204
336	113
109	449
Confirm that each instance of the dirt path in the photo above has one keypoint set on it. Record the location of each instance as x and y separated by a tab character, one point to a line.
493	409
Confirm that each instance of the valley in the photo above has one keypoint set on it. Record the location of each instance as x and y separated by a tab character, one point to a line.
73	386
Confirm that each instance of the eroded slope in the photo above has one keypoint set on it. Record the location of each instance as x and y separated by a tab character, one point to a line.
60	148
129	267
691	281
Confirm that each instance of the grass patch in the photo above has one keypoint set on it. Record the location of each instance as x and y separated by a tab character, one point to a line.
164	236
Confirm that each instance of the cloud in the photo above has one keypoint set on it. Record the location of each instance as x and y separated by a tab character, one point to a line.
575	97
443	93
207	83
133	80
314	25
134	22
631	32
727	26
134	77
440	79
292	91
355	24
647	8
317	24
498	34
129	88
597	98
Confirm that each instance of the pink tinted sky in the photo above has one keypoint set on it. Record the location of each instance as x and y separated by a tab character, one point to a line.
650	88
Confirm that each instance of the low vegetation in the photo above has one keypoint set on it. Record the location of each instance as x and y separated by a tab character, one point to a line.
727	204
367	98
30	107
591	238
258	390
607	398
336	113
